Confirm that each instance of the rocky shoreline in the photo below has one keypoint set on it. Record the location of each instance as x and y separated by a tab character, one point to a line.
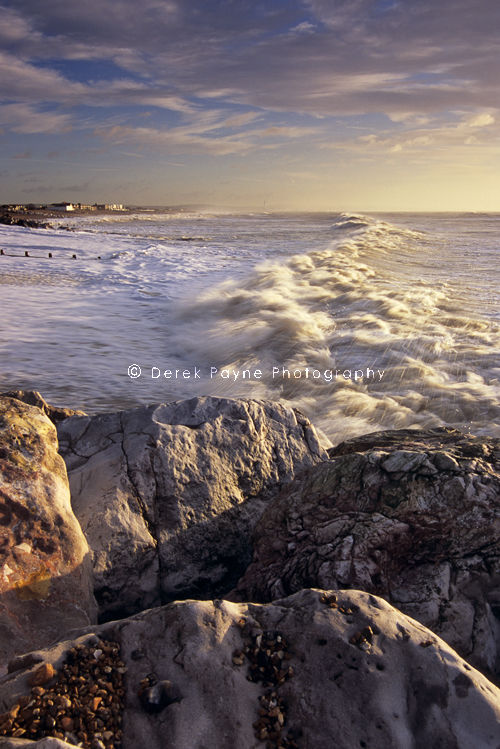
205	573
10	218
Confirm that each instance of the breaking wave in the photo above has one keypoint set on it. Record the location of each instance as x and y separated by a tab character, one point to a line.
370	301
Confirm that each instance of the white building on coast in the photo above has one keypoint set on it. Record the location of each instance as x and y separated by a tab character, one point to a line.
62	207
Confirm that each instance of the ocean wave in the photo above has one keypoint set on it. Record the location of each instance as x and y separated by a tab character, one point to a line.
352	306
348	221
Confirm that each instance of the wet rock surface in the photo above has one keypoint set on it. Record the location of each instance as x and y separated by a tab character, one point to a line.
412	516
45	571
167	495
397	685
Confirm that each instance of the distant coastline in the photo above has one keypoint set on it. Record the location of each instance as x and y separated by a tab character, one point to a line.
38	216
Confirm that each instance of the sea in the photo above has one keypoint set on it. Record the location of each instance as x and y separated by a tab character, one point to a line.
361	321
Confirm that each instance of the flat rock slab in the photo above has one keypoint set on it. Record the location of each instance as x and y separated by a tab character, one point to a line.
45	571
168	495
411	515
359	673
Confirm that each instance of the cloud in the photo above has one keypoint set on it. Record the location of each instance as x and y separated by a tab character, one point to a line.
346	57
239	120
284	131
481	120
201	68
303	28
22	118
173	103
438	136
202	135
178	140
23	80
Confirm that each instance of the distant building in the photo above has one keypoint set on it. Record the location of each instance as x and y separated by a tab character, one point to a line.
62	207
109	207
83	207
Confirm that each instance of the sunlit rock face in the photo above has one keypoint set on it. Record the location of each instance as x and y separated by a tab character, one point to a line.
45	573
410	515
168	495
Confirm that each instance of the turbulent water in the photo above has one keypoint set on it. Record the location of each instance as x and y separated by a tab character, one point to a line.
363	322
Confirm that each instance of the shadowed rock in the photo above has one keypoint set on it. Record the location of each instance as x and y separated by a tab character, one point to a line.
45	571
168	495
412	516
360	673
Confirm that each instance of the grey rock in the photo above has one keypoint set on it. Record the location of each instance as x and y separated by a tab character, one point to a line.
45	571
363	674
167	495
377	519
156	698
404	460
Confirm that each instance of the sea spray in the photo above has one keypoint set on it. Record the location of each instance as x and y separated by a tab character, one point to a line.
415	297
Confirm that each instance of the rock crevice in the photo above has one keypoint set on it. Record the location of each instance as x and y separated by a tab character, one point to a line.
428	541
176	503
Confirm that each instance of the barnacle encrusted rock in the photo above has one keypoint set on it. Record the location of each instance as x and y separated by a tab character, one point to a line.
45	570
168	494
410	515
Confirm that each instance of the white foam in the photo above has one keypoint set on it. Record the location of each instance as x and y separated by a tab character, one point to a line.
417	301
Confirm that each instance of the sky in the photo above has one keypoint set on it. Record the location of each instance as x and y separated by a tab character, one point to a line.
373	105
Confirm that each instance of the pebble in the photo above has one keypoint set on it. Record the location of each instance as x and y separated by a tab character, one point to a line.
363	639
42	675
329	600
155	695
83	706
268	656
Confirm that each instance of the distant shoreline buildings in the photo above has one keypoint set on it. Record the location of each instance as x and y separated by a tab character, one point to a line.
64	206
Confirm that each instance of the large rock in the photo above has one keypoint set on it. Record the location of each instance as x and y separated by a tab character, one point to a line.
48	743
33	398
45	570
352	671
411	516
167	495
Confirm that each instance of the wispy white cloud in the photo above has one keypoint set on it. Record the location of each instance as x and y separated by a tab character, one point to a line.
23	118
203	135
24	80
436	136
481	120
